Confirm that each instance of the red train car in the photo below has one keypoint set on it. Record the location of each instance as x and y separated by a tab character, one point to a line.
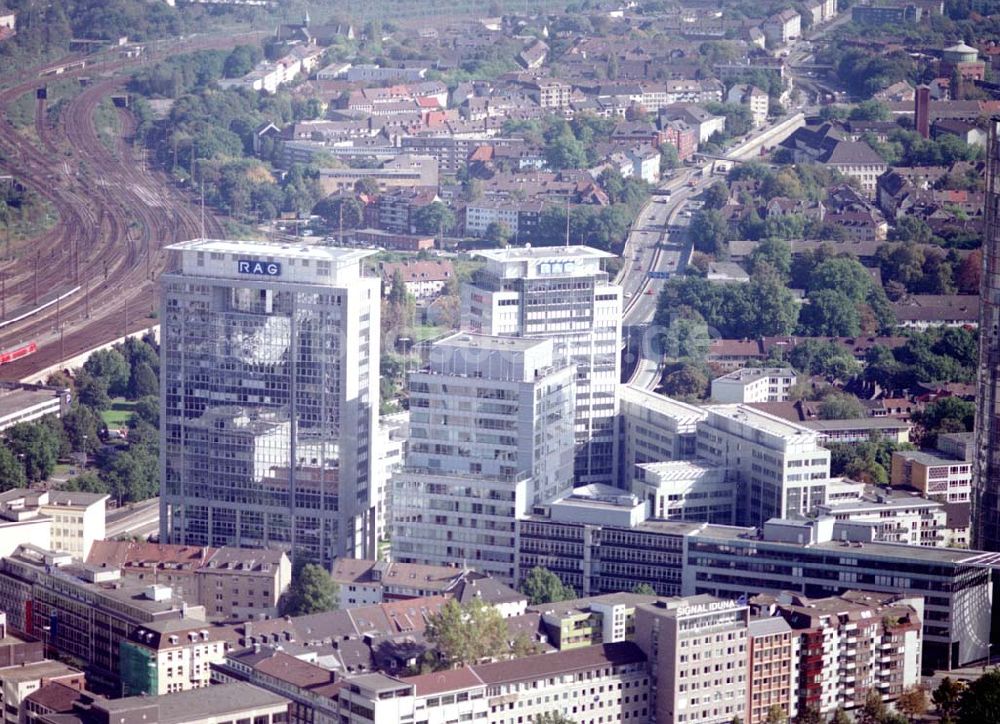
14	354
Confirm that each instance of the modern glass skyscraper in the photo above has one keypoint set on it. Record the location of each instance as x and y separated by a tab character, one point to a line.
561	293
986	468
269	398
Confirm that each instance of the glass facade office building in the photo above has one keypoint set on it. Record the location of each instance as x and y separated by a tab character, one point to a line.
269	398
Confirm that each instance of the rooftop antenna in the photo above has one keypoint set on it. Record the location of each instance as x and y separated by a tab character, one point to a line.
567	219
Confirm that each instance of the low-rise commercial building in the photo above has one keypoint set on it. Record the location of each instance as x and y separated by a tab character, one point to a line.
19	682
25	403
944	474
687	490
53	519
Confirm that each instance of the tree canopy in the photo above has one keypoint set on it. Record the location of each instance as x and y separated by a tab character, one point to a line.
312	591
543	586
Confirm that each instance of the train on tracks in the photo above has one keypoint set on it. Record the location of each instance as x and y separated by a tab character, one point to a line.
15	354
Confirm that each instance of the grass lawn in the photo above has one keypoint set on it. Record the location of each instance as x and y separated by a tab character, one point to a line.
119	414
429	331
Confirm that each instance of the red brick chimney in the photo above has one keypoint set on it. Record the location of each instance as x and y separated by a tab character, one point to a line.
922	111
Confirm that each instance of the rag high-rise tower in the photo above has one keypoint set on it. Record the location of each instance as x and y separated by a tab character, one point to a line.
269	398
986	468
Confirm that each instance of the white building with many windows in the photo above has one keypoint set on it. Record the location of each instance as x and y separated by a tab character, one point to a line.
562	294
754	384
490	436
780	467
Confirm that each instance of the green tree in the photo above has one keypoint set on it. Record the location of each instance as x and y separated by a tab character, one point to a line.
669	159
777	253
686	382
947	698
11	471
87	482
912	229
565	152
109	366
644	589
840	717
498	234
82	427
841	274
829	313
981	699
467	634
132	475
715	196
947	414
552	717
776	715
147	410
312	591
841	406
432	219
810	715
870	110
543	586
37	446
873	710
816	357
241	61
143	382
337	210
709	232
912	702
92	391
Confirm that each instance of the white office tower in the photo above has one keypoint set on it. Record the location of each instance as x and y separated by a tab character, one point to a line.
490	436
269	398
560	293
781	469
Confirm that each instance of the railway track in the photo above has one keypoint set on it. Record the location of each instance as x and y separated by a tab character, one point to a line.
115	217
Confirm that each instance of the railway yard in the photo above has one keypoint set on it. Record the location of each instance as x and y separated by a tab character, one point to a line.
92	277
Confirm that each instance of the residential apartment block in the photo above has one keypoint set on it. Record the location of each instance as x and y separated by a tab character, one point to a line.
269	393
561	294
754	384
608	683
846	646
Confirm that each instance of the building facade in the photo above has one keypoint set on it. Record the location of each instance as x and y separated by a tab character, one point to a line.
986	468
269	398
754	384
780	466
697	651
562	294
490	436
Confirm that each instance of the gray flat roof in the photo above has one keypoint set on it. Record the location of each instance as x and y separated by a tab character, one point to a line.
469	340
203	703
282	250
522	253
884	550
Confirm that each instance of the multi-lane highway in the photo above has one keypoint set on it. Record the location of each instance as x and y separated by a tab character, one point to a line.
658	243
